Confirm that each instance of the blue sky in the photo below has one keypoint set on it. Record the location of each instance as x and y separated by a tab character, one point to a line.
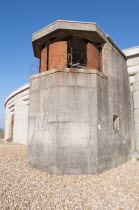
20	18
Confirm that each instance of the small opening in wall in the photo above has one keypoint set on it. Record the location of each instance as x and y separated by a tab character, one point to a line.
115	123
76	53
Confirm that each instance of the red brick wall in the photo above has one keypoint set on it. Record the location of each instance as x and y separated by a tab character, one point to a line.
58	55
93	57
43	60
55	56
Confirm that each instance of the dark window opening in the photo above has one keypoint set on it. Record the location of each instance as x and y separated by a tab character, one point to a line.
115	123
77	57
71	52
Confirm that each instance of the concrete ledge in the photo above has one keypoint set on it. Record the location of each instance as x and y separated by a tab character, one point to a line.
19	90
62	28
69	70
68	25
116	46
131	51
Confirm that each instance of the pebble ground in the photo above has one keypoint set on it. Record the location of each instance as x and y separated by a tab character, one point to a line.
22	187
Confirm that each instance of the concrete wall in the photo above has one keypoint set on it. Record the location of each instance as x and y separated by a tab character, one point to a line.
132	55
133	71
17	110
136	114
71	118
63	122
114	145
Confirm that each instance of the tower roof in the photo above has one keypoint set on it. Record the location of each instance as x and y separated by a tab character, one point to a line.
62	29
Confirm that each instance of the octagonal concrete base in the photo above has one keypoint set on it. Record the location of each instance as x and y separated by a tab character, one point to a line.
71	123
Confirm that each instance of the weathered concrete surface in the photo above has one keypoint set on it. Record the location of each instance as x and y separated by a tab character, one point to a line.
61	29
132	55
80	119
133	71
114	145
71	120
61	123
136	113
16	123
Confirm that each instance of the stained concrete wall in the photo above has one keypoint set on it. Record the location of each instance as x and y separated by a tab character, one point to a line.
71	118
114	146
63	122
17	108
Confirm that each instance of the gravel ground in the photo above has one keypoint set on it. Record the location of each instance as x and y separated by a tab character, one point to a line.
22	187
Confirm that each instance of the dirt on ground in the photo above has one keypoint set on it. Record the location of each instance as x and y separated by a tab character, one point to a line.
2	135
22	187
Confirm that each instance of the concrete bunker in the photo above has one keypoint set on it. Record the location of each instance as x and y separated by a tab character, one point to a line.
77	114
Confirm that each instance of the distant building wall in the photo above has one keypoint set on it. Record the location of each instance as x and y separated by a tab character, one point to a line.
16	120
132	55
